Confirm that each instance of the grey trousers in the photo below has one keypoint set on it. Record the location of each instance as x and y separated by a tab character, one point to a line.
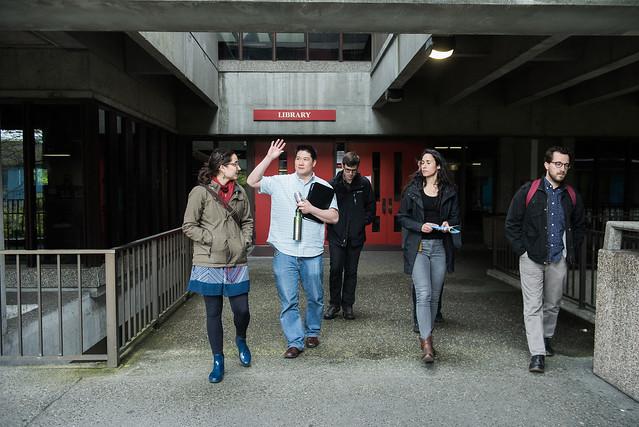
428	275
542	287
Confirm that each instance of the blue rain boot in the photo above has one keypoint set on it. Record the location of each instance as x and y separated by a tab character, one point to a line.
217	374
243	350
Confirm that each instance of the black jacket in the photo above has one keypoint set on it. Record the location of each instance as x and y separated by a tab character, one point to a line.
526	227
411	217
356	210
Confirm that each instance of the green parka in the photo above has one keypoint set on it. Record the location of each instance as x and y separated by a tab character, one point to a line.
218	240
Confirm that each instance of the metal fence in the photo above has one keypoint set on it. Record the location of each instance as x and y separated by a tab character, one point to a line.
581	283
89	304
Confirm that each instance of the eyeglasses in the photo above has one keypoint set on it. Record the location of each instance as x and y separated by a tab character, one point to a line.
559	165
236	164
349	170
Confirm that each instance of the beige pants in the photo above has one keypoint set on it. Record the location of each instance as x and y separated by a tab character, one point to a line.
542	286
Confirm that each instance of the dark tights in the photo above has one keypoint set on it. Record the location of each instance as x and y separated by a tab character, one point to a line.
241	317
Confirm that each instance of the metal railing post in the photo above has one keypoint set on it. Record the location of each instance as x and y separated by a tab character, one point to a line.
494	230
582	272
155	296
113	351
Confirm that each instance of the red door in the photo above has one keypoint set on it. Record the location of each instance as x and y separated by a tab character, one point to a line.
389	166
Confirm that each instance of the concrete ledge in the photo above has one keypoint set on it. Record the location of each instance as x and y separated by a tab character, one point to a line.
566	304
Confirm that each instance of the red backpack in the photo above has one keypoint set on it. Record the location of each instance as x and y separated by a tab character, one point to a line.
535	185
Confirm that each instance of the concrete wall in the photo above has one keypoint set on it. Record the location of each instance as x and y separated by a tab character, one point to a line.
71	74
399	59
347	92
192	58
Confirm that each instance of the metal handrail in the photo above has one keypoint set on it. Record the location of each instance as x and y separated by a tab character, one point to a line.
139	283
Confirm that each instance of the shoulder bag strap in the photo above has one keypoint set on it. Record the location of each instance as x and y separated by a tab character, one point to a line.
232	212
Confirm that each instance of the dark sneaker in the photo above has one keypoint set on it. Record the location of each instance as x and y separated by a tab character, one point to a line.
331	312
537	364
550	352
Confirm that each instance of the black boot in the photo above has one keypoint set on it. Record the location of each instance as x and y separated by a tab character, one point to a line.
348	312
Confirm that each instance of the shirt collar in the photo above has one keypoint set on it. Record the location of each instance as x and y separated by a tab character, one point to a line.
300	179
548	186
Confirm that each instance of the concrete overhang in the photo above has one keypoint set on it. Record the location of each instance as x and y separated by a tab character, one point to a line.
522	17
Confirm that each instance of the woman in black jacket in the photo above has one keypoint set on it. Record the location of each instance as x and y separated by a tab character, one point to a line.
429	207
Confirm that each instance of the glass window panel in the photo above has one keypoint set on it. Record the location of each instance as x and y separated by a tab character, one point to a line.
101	122
323	46
398	176
283	164
11	151
59	176
258	46
375	226
290	47
228	46
357	47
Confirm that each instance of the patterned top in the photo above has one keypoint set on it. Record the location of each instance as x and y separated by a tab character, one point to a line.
556	222
281	188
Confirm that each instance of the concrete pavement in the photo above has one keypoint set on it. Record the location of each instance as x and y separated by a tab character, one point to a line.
365	372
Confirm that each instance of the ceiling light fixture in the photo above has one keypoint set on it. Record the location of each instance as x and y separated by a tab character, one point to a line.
442	47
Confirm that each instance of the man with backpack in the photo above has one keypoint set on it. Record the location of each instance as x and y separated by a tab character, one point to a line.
545	227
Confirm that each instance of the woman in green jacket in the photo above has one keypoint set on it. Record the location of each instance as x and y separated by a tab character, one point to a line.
218	220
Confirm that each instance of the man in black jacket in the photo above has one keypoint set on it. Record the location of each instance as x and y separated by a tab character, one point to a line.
545	227
346	238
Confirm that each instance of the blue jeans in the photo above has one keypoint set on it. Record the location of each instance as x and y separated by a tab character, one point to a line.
428	275
288	271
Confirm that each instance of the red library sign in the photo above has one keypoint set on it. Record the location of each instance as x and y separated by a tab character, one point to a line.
295	115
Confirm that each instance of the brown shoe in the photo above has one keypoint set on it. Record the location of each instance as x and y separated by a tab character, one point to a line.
292	353
427	349
312	342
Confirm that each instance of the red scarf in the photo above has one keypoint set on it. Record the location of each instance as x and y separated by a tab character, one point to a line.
226	191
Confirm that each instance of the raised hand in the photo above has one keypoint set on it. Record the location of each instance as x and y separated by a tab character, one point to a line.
276	148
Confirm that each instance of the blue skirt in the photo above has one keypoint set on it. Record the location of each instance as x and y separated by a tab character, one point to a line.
214	281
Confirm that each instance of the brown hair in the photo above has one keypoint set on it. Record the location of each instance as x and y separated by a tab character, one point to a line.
218	158
350	159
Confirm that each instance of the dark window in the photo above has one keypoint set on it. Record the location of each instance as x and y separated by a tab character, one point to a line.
323	46
257	46
228	45
356	47
294	46
290	46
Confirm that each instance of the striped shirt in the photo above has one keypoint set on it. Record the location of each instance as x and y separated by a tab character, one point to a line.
282	188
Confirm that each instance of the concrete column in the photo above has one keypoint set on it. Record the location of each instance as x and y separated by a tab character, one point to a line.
616	357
